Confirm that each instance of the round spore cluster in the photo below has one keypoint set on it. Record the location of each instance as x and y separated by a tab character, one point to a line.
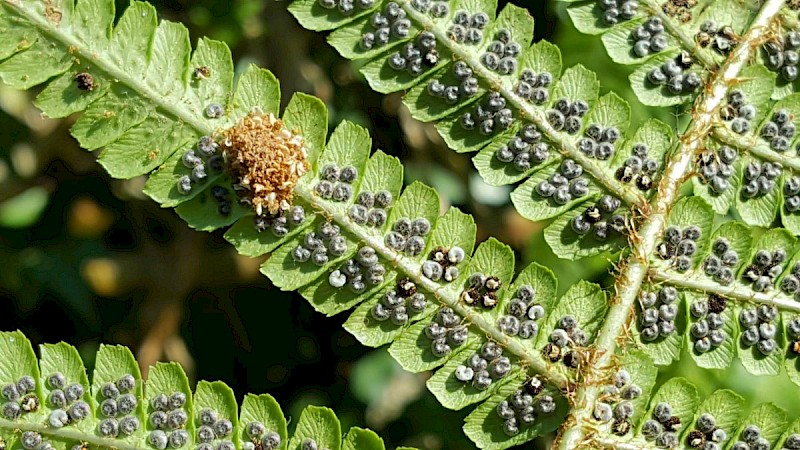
675	77
118	404
616	402
66	400
346	7
442	263
435	9
524	150
679	245
501	54
783	56
310	444
615	11
706	435
716	168
370	208
468	28
360	272
387	24
214	432
203	160
20	398
489	115
765	268
524	406
565	184
481	290
708	331
721	38
32	440
317	245
598	142
280	224
759	328
222	196
639	168
466	87
408	236
566	336
522	314
484	367
336	183
793	334
261	437
659	311
600	220
446	332
649	37
791	193
417	56
663	427
792	442
568	116
738	113
721	263
760	178
790	284
168	419
534	87
779	130
397	303
751	439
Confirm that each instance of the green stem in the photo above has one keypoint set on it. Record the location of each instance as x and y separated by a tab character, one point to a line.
756	146
69	434
635	269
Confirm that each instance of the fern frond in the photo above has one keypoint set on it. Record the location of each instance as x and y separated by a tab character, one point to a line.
122	410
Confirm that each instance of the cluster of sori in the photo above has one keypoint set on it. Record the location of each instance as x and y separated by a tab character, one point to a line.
598	142
793	330
722	262
783	56
600	219
751	439
408	236
213	432
391	23
615	403
468	28
484	367
639	168
706	435
346	7
679	246
663	428
336	183
317	244
738	112
370	208
649	37
467	85
201	161
20	397
722	39
679	9
707	330
779	131
280	224
792	442
31	440
118	406
675	76
501	54
760	178
522	312
659	311
168	421
416	57
524	406
222	196
261	438
436	9
615	11
716	168
442	263
567	115
525	149
759	328
791	282
765	269
481	290
534	87
446	331
563	339
360	272
791	193
397	303
488	115
311	444
565	184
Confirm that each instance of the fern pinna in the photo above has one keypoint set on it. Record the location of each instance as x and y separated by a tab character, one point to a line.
341	230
